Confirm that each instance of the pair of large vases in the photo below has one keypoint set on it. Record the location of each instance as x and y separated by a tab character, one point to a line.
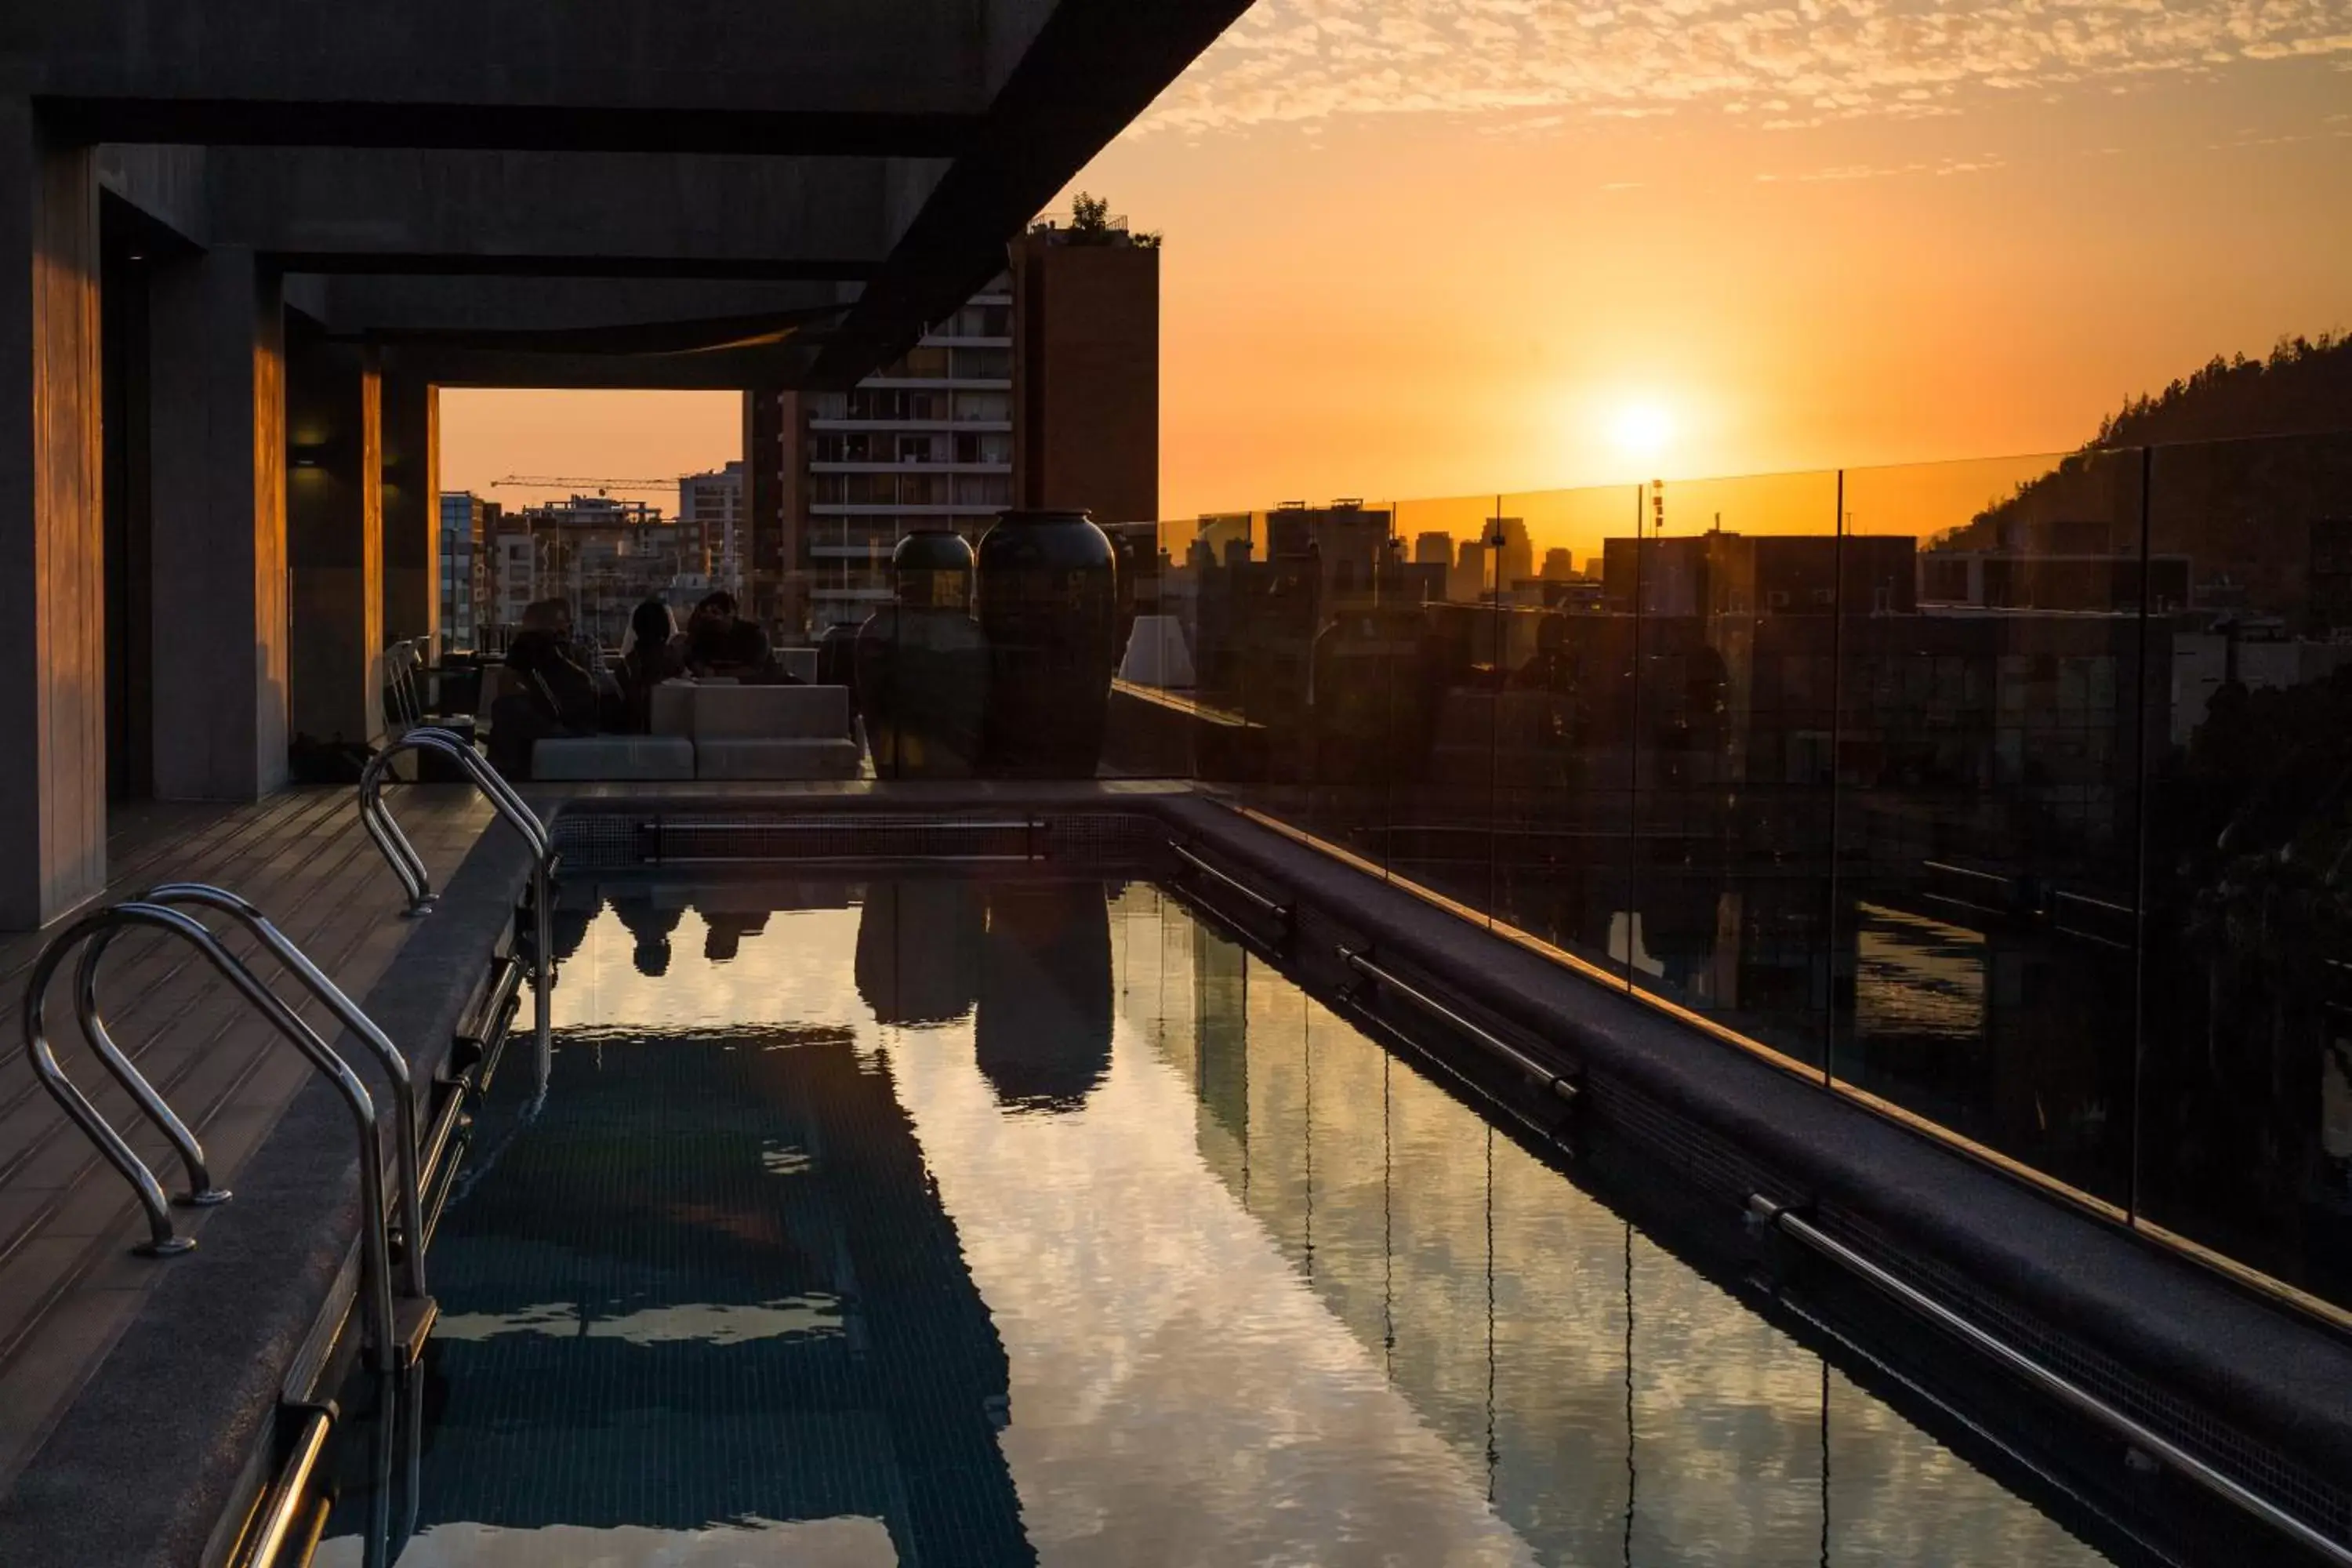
996	664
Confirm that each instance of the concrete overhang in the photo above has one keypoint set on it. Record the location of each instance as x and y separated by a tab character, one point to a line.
1036	88
411	306
911	78
545	214
677	333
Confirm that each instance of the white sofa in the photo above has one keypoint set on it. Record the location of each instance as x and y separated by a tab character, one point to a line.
773	733
620	758
720	731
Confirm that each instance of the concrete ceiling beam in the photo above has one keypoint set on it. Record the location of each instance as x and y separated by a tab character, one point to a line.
829	77
616	214
411	306
612	215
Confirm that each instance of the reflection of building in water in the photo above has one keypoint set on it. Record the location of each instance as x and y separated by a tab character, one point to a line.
1612	1400
665	1250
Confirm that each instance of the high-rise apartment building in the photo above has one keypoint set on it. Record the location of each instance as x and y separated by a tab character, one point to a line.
1043	390
709	529
464	565
514	569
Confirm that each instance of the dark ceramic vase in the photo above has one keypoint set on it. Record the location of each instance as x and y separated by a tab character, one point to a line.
922	665
1047	591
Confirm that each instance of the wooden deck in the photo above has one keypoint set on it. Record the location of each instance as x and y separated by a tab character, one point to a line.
68	1277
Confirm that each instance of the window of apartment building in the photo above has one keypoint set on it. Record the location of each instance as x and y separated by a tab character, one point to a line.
918	448
828	404
896	403
992	447
848	446
982	407
922	489
984	490
983	365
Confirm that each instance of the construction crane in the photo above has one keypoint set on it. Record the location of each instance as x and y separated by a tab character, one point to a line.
579	483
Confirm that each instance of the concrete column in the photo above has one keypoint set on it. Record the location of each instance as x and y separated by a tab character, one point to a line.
52	543
412	510
766	550
218	441
335	543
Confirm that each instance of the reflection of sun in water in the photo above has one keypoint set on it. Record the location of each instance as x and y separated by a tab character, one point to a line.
1641	429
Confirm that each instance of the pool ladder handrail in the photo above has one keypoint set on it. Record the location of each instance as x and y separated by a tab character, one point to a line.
406	864
409	866
163	1240
409	1152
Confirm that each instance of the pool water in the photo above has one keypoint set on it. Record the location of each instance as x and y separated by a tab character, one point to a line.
934	1221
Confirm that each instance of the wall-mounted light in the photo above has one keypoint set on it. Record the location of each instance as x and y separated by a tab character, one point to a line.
307	455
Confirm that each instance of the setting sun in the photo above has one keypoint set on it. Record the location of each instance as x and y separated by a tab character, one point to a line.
1641	429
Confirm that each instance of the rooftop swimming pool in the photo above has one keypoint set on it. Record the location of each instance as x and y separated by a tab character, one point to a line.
925	1219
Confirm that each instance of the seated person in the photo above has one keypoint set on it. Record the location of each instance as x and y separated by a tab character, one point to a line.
555	695
721	643
544	654
654	653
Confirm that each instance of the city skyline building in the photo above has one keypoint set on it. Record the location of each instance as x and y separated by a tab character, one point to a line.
710	522
467	523
1041	391
603	554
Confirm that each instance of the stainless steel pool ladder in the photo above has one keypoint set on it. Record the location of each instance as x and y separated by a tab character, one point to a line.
409	866
91	934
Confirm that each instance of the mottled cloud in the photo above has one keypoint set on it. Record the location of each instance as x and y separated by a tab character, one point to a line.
1976	165
1305	61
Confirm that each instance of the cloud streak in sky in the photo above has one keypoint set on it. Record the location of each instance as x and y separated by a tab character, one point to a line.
1310	60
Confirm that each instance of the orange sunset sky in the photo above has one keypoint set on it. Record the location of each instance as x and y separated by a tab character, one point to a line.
1429	247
